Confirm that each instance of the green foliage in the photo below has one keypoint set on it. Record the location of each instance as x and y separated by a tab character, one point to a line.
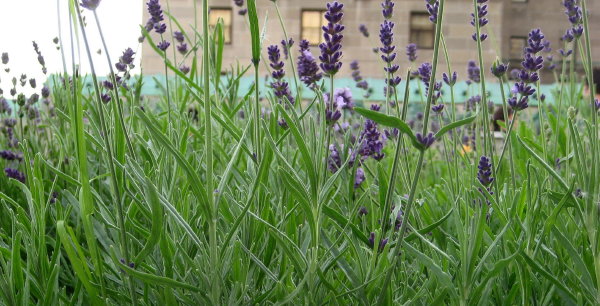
97	222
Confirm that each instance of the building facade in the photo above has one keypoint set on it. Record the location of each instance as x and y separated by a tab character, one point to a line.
509	23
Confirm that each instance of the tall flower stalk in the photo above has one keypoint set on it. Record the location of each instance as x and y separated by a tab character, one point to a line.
215	292
425	139
110	155
113	79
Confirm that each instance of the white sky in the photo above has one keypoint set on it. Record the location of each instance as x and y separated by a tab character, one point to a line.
23	21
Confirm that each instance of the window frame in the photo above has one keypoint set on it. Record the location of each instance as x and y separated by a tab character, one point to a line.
230	32
411	29
305	10
510	46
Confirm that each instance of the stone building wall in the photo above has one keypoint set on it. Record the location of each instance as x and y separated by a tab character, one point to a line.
508	18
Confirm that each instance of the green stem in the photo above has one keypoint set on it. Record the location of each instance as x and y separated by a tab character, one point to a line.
214	251
110	156
116	88
415	181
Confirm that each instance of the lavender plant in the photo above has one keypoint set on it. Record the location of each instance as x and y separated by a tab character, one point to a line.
318	195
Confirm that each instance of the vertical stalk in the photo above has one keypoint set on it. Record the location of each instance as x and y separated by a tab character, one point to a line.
116	87
110	155
487	147
214	260
415	180
594	145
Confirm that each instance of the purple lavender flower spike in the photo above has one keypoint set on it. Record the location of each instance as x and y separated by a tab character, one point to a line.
481	21
359	177
334	162
280	87
450	80
438	108
432	7
331	53
597	104
178	36
425	72
286	46
499	69
518	104
575	15
163	45
473	72
411	52
105	97
363	30
11	156
15	174
426	141
45	92
182	48
90	4
4	107
387	9
308	69
283	124
184	69
362	211
484	175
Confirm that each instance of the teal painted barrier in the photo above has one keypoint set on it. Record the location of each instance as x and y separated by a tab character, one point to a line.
462	91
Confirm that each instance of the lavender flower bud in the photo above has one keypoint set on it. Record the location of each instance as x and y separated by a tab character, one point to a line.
90	4
411	52
388	9
163	45
484	175
362	211
184	69
178	36
15	174
359	178
4	58
45	92
331	49
499	69
182	48
426	141
308	69
450	81
363	30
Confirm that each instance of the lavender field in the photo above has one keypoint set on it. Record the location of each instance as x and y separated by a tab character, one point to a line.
226	187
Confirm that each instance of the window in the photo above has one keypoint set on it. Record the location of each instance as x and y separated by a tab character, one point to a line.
517	44
422	30
224	14
312	21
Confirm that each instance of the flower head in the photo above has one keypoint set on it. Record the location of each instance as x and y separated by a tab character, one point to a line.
90	4
359	177
473	72
363	30
308	69
499	69
163	45
425	141
178	36
484	175
450	80
331	53
432	7
15	174
280	87
411	52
